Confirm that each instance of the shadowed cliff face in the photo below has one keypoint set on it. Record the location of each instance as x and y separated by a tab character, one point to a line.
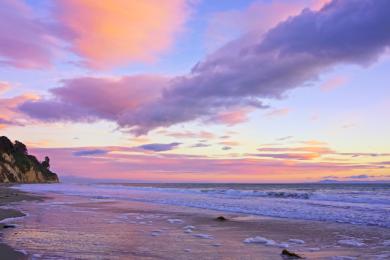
16	165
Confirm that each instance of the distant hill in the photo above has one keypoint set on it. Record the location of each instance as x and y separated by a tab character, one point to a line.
17	166
329	181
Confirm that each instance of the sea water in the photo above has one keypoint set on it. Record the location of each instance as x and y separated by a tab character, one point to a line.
361	204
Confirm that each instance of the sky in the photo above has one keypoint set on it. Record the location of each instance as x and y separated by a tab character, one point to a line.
199	91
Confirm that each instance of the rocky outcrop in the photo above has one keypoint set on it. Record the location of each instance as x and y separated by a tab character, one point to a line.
16	165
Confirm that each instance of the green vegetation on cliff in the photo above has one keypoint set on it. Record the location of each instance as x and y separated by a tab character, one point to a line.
16	165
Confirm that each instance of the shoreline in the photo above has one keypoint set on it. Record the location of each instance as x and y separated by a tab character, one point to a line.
7	197
192	233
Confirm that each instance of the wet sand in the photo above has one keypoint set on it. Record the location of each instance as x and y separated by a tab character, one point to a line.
84	228
7	197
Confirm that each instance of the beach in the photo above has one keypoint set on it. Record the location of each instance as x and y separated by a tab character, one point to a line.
8	197
105	227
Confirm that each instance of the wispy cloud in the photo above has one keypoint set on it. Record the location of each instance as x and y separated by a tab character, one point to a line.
361	176
284	138
333	83
4	86
90	152
230	143
188	134
311	149
365	154
278	112
159	147
200	145
315	150
293	156
314	142
233	117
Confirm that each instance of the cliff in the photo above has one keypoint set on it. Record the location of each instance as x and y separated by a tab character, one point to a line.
16	165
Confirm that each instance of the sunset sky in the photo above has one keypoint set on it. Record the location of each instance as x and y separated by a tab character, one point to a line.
196	90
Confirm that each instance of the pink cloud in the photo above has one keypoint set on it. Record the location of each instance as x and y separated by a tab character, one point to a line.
278	112
108	33
333	83
233	117
9	114
86	99
318	4
24	40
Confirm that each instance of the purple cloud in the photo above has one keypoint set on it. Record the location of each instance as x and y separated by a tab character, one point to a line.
159	147
245	71
9	122
24	40
90	152
88	98
292	54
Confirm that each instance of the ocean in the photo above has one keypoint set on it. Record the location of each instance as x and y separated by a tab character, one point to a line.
178	221
361	204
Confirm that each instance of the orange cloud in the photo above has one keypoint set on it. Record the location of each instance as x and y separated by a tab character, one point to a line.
108	33
294	153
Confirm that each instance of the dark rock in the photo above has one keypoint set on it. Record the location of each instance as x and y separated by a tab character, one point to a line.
9	226
5	144
221	218
46	163
290	255
20	147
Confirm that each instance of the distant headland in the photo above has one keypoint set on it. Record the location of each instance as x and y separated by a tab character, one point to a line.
18	166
